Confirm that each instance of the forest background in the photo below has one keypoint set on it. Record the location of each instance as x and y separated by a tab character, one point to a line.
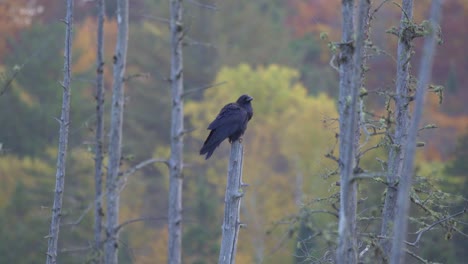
276	51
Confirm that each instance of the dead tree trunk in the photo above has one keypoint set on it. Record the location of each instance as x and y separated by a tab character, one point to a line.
346	251
115	142
401	222
398	140
232	202
177	133
351	60
98	210
63	141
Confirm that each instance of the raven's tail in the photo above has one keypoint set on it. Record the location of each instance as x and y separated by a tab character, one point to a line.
211	143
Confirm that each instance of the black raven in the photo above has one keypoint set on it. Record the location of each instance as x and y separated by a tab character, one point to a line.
231	123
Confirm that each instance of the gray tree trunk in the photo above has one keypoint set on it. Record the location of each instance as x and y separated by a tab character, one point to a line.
351	60
177	133
98	210
346	251
401	222
63	141
232	202
397	149
115	141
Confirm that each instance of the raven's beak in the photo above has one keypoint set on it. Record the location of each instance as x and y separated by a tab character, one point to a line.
250	98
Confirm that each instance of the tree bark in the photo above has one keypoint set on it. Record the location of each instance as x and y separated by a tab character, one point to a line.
346	251
397	150
177	133
115	142
63	141
351	60
232	202
98	210
401	222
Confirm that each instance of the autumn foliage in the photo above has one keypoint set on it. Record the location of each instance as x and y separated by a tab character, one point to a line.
271	50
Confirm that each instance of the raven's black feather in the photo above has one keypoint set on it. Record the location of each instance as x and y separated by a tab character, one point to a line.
231	123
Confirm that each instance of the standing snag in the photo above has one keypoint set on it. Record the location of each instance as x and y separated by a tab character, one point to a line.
99	156
403	200
115	142
232	202
63	141
397	150
177	135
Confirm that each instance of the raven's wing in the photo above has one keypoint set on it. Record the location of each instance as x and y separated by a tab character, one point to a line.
231	114
229	121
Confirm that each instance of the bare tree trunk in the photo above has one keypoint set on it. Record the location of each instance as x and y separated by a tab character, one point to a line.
401	222
63	141
177	133
398	141
115	142
346	251
351	60
98	210
232	202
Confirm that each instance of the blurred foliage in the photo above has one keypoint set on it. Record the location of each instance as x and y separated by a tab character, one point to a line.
457	179
35	97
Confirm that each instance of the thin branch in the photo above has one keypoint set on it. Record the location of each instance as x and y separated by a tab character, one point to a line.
160	76
141	165
187	131
368	149
85	212
140	219
136	76
403	11
281	242
323	211
460	232
422	231
332	157
332	63
9	80
361	254
378	7
414	255
203	5
194	90
123	175
368	175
